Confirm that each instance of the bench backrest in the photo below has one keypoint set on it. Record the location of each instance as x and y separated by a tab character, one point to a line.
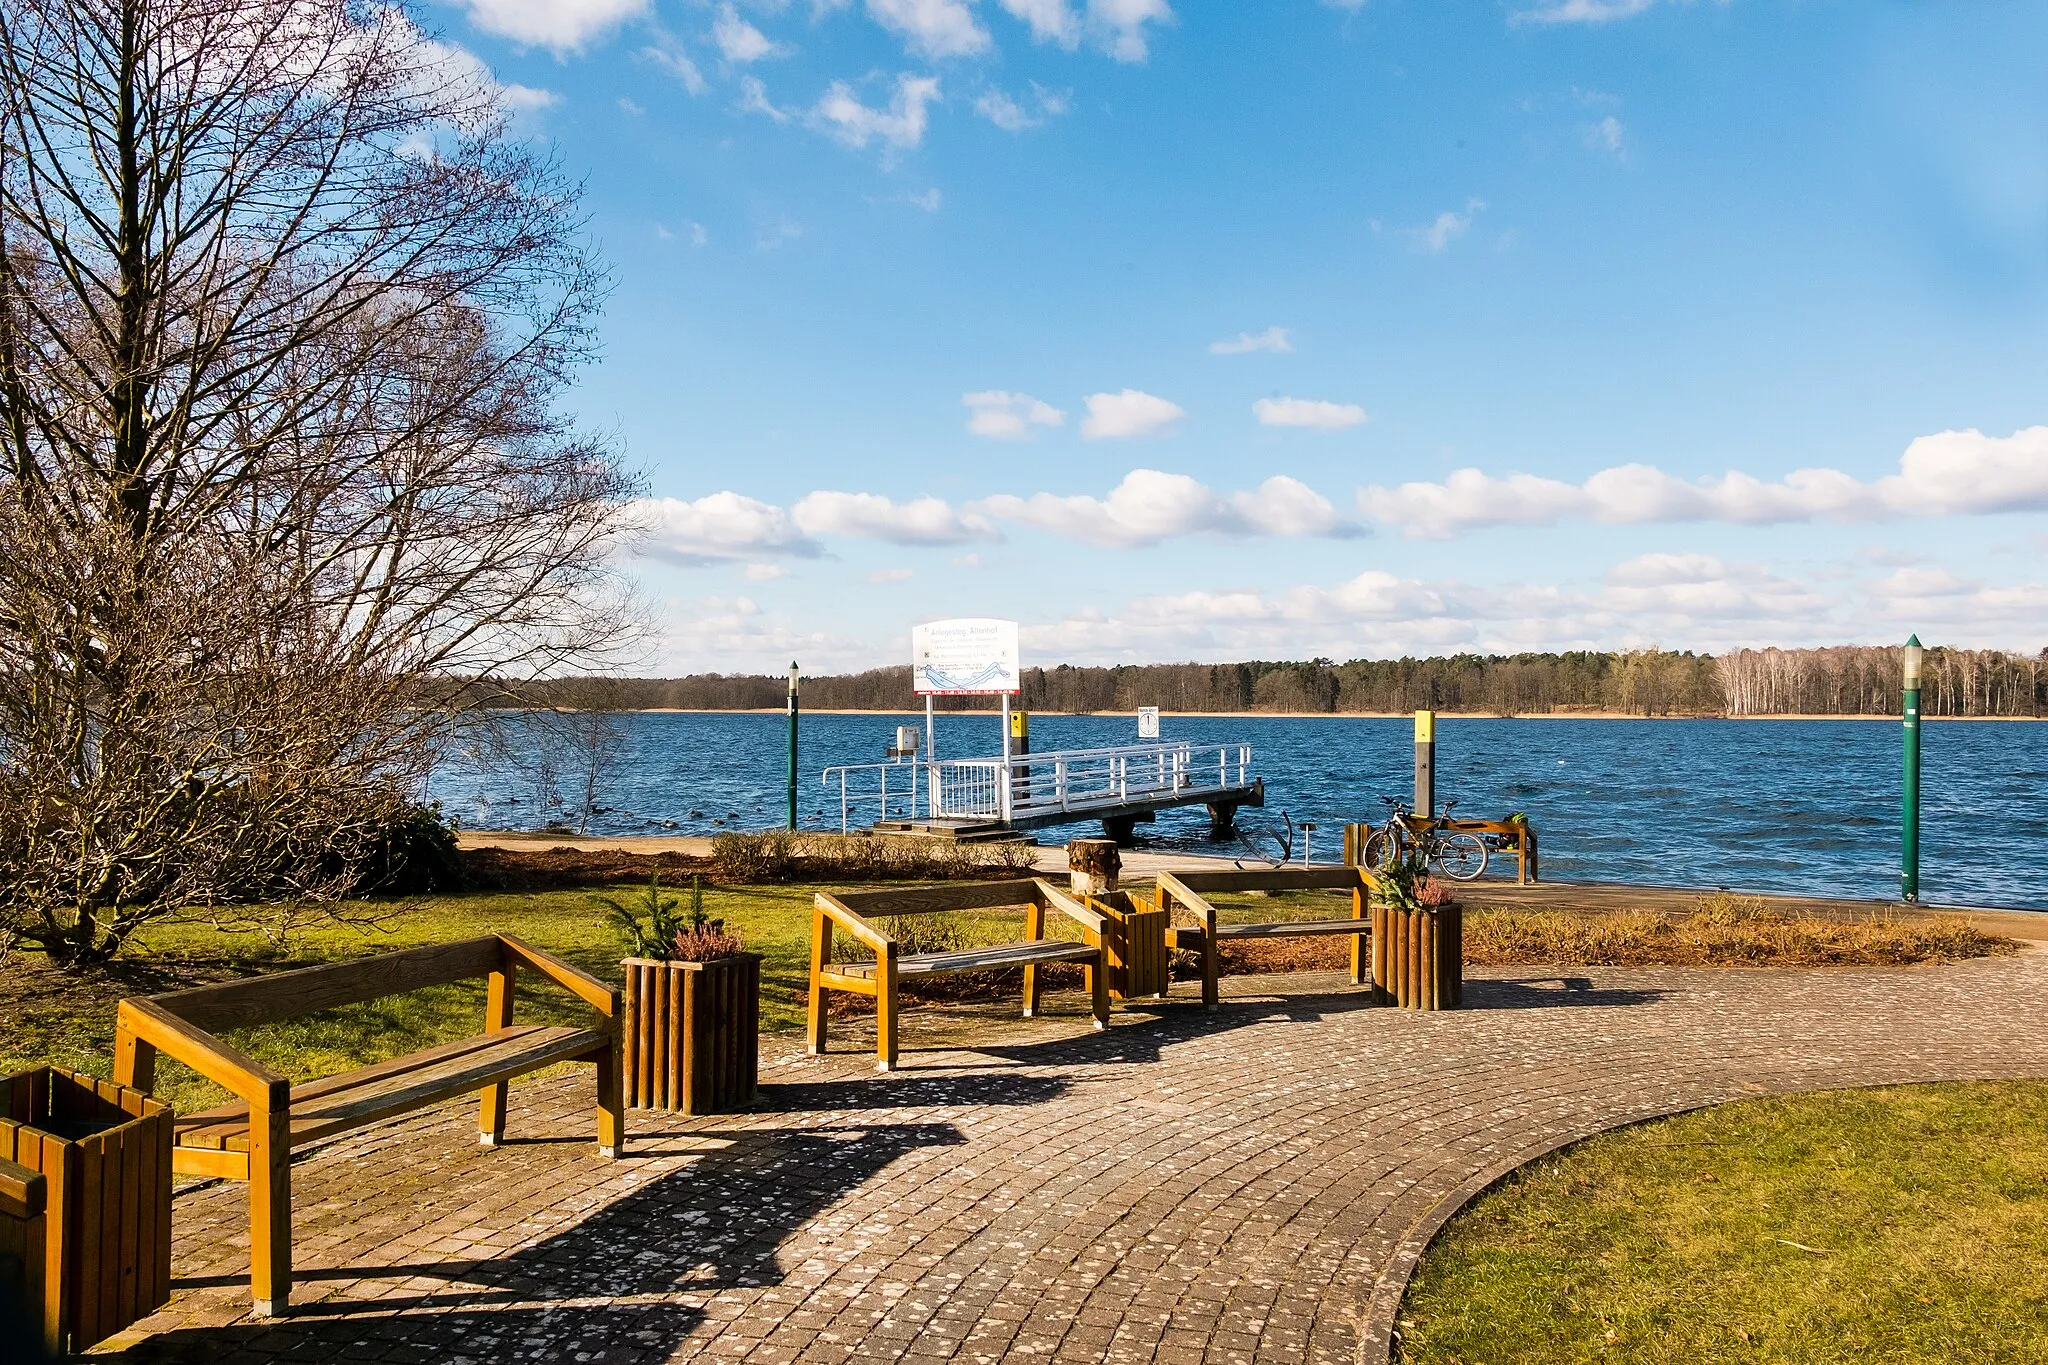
1272	879
287	995
927	900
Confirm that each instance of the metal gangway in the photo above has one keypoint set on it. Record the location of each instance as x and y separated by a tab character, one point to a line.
1119	786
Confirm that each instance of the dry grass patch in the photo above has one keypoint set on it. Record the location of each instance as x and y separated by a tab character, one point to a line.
1720	930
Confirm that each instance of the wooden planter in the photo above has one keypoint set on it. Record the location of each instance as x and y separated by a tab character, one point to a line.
1135	949
104	1154
1418	957
692	1033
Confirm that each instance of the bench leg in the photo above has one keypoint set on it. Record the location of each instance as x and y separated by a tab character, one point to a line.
821	954
885	1011
1098	992
490	1119
611	1113
1211	967
270	1212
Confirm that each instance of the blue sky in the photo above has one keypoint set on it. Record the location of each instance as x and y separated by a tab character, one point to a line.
1205	331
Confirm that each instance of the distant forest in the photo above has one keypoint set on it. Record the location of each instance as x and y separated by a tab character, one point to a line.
1846	680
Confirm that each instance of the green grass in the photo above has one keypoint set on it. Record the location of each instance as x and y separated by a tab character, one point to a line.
1905	1224
69	1019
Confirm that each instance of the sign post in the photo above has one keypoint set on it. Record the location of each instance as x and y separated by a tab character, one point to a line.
969	657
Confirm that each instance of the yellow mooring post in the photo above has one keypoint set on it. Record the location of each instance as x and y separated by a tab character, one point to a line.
1425	763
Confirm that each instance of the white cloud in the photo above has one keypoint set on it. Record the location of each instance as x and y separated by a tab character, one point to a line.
764	573
1272	339
696	233
1952	473
902	124
929	200
563	25
1007	416
735	635
891	576
921	521
1583	11
754	100
932	28
670	57
1149	506
628	108
1608	136
525	99
1131	412
1308	412
1118	26
1446	228
1051	21
1012	116
778	234
739	42
718	526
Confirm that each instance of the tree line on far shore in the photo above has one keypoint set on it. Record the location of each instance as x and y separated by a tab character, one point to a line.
1843	680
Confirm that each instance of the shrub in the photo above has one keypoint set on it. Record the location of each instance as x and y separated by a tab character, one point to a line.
659	928
413	855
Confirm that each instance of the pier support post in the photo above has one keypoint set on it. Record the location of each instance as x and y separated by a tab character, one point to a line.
1425	763
1222	819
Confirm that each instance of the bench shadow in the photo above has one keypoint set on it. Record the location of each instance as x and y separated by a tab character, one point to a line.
1553	992
716	1224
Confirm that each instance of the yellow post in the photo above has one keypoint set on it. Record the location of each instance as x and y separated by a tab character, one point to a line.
1425	763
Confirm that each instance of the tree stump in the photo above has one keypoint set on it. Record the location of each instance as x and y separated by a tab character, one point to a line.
1093	865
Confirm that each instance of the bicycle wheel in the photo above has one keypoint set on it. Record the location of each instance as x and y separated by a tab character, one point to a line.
1461	857
1379	849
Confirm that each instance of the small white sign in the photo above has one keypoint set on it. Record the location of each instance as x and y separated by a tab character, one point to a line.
973	657
1148	722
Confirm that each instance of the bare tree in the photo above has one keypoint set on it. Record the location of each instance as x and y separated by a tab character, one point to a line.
284	310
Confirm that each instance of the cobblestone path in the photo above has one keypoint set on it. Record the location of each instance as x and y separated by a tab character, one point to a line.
1250	1186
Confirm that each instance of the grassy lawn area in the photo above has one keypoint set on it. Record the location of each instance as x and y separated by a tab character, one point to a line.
1906	1224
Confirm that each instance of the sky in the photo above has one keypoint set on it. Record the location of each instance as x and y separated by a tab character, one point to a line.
1203	331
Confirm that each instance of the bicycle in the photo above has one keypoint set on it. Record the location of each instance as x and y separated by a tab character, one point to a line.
1454	853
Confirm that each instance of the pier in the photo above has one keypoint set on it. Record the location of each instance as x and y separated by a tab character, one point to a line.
996	798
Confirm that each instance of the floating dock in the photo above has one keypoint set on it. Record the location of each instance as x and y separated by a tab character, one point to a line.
978	799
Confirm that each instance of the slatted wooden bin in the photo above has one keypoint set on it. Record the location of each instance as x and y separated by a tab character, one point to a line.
1418	957
1134	948
104	1154
692	1036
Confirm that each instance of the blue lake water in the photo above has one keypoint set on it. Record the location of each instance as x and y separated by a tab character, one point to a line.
1802	806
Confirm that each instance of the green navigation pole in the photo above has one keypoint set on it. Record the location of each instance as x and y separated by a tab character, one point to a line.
792	743
1909	784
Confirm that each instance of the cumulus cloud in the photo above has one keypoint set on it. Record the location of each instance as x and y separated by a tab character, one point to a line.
1608	136
1131	412
1006	416
902	124
1313	413
1118	26
880	576
1446	227
1583	11
921	521
1951	473
739	42
932	28
1016	116
754	100
718	526
563	25
1051	21
1150	506
1272	339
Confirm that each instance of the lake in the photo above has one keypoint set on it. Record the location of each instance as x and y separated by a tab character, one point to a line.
1800	806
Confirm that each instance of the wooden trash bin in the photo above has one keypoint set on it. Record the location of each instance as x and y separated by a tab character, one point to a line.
692	1034
1135	949
104	1152
1418	956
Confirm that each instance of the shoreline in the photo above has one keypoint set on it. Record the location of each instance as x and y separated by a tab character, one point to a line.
1320	715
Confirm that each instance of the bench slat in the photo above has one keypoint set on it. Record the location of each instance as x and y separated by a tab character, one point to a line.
1294	928
1022	954
353	1098
287	995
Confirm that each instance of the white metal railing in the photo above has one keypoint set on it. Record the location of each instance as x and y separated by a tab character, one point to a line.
1080	782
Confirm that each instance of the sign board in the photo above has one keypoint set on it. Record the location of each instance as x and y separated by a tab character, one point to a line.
972	657
1148	722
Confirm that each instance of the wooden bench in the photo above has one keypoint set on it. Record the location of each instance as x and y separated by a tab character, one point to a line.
852	910
252	1140
1185	893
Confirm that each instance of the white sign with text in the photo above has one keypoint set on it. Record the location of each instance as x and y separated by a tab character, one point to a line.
972	657
1148	722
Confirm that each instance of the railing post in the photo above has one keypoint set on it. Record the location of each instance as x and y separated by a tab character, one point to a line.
842	801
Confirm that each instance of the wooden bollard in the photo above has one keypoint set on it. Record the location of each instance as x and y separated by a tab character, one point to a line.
1093	865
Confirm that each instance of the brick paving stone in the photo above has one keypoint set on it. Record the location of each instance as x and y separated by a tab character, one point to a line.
1251	1186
